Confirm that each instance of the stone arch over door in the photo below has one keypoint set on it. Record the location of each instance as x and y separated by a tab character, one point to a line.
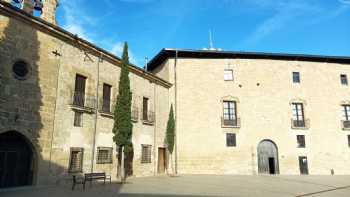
17	160
268	157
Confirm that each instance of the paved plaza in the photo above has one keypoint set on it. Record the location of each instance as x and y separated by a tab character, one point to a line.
201	185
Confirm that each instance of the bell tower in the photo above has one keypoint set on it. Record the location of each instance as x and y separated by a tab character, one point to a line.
49	11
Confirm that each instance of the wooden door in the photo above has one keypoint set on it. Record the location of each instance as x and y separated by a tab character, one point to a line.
161	160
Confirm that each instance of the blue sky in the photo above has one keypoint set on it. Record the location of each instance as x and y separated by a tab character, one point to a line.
319	27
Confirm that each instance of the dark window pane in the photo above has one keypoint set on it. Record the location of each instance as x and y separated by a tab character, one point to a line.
349	140
230	139
78	119
146	153
20	69
343	79
301	141
296	77
104	155
106	105
145	108
79	90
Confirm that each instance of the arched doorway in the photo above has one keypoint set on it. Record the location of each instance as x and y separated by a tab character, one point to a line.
268	157
16	160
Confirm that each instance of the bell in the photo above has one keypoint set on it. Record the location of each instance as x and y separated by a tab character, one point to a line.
38	5
17	1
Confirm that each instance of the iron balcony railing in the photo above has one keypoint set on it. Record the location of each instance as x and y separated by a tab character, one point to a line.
345	124
300	124
148	117
231	122
82	100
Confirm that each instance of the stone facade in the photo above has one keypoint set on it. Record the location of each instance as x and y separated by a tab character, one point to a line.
39	105
264	91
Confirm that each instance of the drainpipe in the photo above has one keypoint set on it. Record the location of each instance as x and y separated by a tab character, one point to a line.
96	115
176	137
55	106
155	128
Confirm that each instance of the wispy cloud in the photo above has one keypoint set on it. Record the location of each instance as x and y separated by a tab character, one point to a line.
287	13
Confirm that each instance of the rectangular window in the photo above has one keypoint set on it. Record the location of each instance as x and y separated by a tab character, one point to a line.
228	75
346	112
303	166
296	77
298	111
230	139
229	110
146	153
104	155
349	140
78	119
76	160
106	105
145	108
343	79
79	90
301	141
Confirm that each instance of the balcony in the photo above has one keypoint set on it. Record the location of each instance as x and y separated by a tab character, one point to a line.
300	124
345	124
106	107
82	101
231	123
148	117
134	114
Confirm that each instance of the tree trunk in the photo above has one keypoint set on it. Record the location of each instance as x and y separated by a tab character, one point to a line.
122	167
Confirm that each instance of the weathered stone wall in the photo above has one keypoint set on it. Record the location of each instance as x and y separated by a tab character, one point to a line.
40	106
264	91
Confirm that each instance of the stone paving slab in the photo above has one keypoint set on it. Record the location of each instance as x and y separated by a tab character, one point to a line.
201	185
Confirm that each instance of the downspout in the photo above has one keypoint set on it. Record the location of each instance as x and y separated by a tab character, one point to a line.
155	128
96	115
55	107
176	125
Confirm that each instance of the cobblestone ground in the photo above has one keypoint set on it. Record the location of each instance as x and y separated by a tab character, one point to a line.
200	185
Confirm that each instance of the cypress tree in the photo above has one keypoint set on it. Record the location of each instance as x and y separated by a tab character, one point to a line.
122	128
170	133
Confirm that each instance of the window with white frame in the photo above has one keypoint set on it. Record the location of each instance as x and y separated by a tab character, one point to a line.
229	110
346	112
228	75
298	111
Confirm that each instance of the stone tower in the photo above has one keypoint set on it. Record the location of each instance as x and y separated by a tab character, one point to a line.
49	11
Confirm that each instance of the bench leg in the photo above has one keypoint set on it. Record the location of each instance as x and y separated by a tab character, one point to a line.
104	181
84	185
73	186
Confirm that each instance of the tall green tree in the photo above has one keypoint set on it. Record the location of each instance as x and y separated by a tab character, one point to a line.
122	128
170	134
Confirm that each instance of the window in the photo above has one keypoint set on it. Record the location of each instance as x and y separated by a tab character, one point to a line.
146	153
349	140
79	90
76	160
296	77
346	112
104	155
228	75
298	111
78	119
145	108
106	105
20	70
301	141
343	79
230	139
229	110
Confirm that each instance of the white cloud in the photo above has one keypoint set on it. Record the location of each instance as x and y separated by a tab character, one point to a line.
347	2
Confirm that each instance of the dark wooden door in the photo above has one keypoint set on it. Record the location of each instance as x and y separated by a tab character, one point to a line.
106	106
15	161
304	169
161	160
79	90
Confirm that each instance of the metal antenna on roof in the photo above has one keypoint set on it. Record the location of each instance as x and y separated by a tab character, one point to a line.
210	41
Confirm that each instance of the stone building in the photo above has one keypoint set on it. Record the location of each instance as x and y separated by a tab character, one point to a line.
250	113
236	113
56	102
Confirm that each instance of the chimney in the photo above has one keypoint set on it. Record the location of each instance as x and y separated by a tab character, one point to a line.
49	11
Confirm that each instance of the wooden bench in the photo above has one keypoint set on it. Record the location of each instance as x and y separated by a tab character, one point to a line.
97	176
90	177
